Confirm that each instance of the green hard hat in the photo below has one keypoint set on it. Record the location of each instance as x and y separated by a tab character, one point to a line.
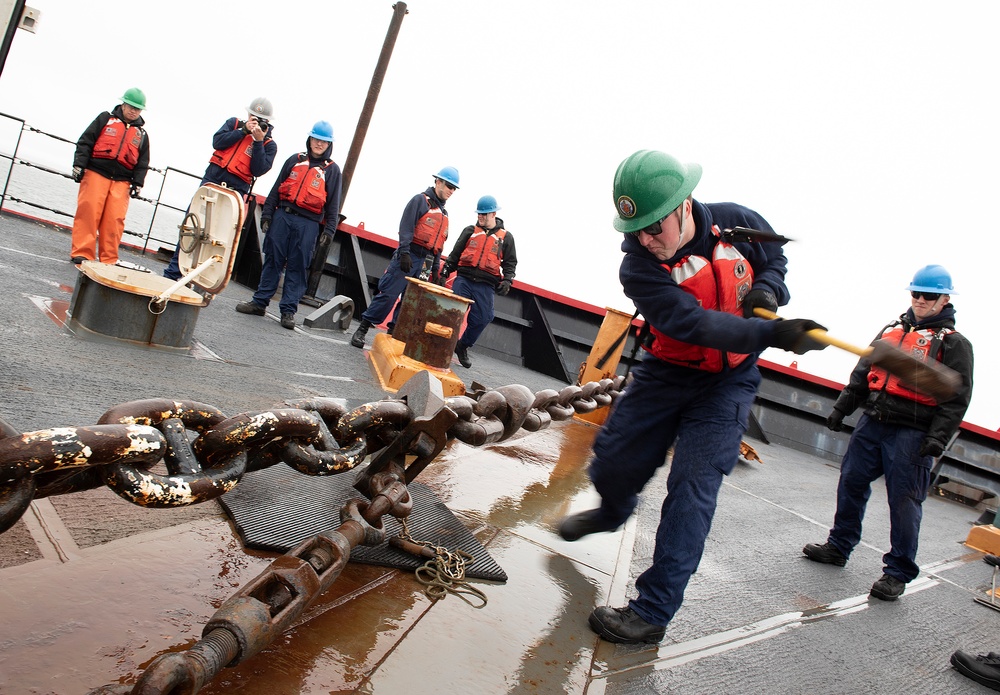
649	185
134	97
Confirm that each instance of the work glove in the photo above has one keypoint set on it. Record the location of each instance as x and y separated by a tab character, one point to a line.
759	297
78	174
931	447
265	224
791	335
133	191
835	421
503	288
405	262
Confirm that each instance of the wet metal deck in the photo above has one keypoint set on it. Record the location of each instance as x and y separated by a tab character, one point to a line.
93	588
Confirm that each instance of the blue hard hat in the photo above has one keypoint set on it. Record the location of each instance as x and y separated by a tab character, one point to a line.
932	278
448	174
322	131
487	204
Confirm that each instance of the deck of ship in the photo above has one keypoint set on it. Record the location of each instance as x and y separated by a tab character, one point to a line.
93	588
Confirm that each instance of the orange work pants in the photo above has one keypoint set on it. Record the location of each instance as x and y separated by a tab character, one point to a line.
100	217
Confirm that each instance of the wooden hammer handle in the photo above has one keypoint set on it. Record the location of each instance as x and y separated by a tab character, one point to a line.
819	335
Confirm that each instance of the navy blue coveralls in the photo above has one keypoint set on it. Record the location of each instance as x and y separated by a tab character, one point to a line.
393	280
291	237
261	161
702	415
887	442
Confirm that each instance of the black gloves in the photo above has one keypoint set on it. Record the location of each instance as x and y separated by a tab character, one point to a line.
133	191
759	297
265	224
932	448
503	288
442	278
78	174
405	262
790	334
835	421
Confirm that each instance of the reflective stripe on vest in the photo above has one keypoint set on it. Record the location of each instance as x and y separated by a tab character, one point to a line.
305	185
917	343
236	158
120	142
719	285
484	251
431	229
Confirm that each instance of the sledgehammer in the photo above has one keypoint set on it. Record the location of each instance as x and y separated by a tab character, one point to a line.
935	380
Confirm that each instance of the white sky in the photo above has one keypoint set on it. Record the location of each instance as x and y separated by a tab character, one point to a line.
866	131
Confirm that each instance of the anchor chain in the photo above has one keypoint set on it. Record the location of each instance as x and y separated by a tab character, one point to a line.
206	454
307	435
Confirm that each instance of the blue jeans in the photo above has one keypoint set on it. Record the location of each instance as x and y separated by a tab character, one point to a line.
288	246
480	313
703	416
877	449
391	285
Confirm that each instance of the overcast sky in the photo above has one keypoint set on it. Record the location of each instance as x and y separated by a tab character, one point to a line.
866	131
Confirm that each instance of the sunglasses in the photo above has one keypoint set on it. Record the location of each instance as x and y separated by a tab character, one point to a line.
654	229
449	186
929	296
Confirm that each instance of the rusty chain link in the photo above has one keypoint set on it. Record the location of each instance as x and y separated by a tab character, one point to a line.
317	436
206	455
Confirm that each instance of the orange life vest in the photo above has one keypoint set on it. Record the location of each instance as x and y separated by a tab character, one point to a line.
720	285
305	185
919	343
236	158
484	251
432	229
120	142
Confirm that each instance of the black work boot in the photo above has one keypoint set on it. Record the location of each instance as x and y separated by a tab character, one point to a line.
250	308
358	339
463	355
576	526
824	553
288	321
624	626
984	668
888	588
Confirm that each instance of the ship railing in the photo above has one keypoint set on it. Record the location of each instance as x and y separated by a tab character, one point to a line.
146	229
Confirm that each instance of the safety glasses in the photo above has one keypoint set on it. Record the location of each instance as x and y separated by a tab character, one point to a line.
451	187
929	296
654	229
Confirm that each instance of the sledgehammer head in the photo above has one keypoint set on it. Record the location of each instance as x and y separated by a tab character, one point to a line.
934	379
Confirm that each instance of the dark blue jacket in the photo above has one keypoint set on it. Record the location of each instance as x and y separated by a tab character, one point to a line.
330	217
677	314
261	159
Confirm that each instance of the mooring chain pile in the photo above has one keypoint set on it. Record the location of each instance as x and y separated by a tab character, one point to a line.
206	455
317	436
